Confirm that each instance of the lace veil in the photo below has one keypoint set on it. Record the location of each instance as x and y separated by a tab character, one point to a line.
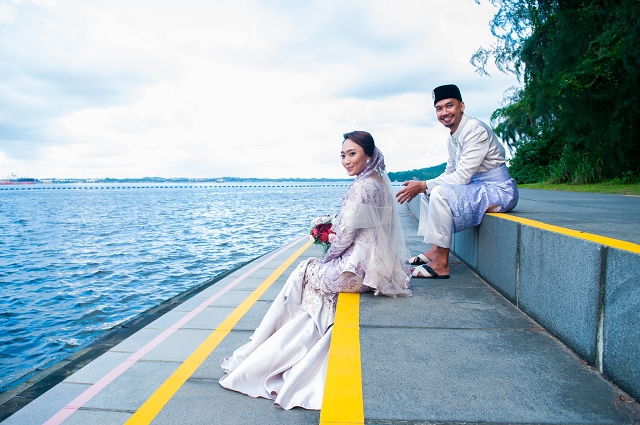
387	271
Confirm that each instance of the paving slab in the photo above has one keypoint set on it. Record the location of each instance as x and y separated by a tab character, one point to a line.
445	304
131	389
261	273
252	282
251	320
271	293
213	289
204	401
179	345
266	270
98	417
95	370
137	340
210	368
46	405
195	301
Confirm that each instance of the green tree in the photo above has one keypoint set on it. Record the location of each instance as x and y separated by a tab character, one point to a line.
577	116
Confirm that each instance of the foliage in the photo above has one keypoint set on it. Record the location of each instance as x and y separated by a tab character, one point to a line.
576	118
420	174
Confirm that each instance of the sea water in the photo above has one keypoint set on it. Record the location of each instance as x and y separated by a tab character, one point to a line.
77	260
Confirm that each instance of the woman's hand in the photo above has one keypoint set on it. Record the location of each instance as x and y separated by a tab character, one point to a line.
412	188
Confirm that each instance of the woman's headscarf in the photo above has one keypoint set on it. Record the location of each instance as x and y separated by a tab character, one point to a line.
375	163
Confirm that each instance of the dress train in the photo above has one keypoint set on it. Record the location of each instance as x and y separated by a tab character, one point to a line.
286	358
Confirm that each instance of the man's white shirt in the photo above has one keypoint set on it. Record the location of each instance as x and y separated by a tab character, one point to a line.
473	148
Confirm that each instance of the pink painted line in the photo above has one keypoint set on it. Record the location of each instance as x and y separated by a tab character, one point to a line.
94	389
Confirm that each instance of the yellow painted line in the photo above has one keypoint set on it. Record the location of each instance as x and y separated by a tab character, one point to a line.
342	400
155	403
613	243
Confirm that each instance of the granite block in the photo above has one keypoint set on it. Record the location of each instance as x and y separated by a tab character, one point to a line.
560	285
414	207
464	247
621	337
498	254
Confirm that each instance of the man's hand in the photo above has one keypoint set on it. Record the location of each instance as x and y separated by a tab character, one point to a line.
411	189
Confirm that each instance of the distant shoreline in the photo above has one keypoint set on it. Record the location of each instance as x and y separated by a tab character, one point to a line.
176	180
397	176
171	180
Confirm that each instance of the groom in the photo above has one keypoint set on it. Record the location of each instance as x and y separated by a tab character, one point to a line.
475	181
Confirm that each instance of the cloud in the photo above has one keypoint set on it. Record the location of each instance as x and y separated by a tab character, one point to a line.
243	88
54	71
7	13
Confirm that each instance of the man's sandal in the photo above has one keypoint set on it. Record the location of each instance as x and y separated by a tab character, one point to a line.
418	260
427	273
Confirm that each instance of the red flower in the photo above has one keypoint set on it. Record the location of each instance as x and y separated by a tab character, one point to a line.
314	232
324	236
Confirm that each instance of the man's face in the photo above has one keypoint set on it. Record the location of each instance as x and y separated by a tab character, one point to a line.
449	113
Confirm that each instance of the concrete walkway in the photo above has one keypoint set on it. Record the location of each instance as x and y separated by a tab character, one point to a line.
456	352
613	216
459	352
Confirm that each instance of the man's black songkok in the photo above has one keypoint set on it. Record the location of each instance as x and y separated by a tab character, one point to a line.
449	91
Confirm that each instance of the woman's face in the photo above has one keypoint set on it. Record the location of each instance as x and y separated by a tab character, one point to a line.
353	157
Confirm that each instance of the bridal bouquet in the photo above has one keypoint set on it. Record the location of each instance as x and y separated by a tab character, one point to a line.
321	232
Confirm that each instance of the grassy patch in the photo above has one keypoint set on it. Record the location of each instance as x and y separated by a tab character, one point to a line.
615	188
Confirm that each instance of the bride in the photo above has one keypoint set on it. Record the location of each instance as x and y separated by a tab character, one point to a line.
286	357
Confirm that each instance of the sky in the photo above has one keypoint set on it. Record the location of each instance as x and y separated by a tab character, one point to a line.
243	88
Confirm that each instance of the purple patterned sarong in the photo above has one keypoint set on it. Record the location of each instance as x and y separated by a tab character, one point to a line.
489	191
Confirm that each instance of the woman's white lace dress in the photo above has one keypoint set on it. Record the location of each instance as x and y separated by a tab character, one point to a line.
286	357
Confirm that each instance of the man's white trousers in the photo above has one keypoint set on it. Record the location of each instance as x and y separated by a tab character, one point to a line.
436	219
